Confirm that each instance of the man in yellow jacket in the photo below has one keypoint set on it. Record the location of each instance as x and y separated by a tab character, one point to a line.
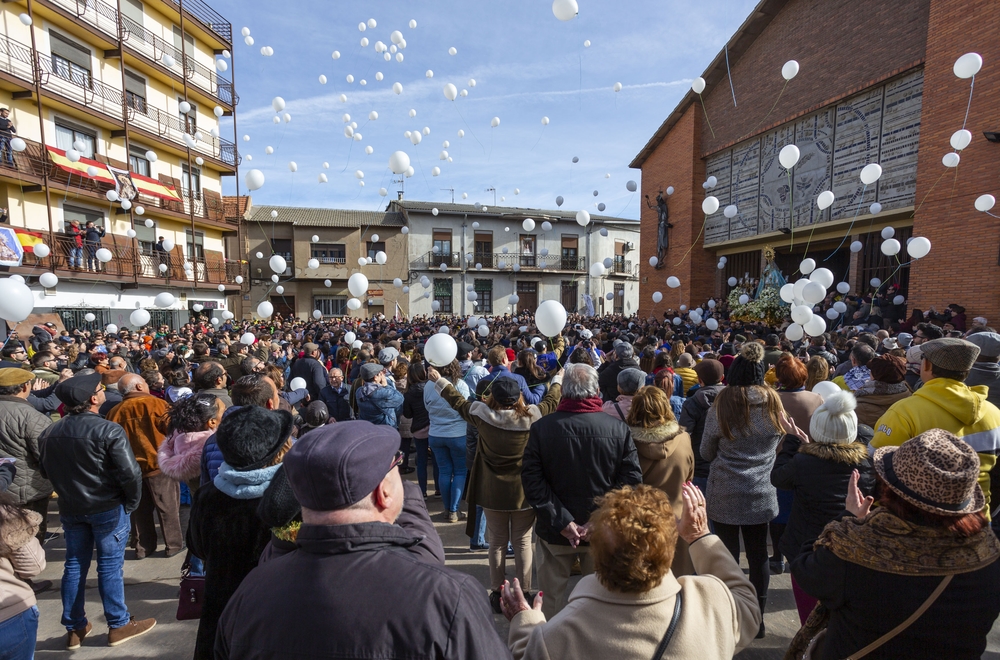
946	402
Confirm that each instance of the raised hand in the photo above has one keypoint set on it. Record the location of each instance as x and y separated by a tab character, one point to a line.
856	503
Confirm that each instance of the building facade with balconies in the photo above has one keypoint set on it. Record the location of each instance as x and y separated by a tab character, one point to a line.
343	237
461	248
121	96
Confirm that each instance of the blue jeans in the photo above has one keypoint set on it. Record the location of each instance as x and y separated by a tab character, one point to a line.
76	257
109	532
5	150
450	456
422	445
479	530
17	635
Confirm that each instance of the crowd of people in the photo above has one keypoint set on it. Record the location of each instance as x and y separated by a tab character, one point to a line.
647	456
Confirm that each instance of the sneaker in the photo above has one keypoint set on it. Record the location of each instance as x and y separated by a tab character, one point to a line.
495	601
453	516
133	628
777	566
75	638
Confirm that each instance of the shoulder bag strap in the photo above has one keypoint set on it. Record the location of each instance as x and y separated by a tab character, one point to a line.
906	624
619	409
662	648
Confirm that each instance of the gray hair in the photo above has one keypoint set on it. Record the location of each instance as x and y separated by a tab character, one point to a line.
630	380
579	381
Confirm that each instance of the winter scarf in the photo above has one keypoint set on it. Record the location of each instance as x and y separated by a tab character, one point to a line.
593	404
244	484
856	377
885	543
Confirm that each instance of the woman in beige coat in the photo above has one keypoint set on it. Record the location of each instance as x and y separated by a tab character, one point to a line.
624	610
665	456
21	558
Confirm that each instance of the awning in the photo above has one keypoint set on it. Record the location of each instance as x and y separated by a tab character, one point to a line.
143	184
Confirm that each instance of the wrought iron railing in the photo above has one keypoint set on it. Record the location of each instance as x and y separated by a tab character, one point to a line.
493	261
208	17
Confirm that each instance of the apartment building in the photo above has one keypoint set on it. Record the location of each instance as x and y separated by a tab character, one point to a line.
119	100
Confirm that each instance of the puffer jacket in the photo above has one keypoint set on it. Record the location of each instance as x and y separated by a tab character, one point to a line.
180	454
20	427
379	404
943	403
90	464
25	560
693	414
818	475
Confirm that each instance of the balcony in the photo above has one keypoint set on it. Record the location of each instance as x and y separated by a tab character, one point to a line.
208	17
622	266
131	264
32	164
104	17
16	60
493	261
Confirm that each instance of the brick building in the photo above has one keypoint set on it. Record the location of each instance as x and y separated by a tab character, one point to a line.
875	85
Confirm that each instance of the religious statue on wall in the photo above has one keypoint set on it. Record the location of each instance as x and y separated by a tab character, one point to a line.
663	228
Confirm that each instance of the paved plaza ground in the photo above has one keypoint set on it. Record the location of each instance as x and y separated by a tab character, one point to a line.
151	590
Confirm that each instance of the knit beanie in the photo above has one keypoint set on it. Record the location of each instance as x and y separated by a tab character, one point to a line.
748	368
834	422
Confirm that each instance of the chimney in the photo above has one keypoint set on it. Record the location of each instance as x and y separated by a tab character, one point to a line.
399	195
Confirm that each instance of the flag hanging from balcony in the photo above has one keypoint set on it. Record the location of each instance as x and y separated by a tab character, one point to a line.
107	175
28	239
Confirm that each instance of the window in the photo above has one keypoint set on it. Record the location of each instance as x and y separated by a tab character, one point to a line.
331	306
484	248
189	121
132	13
137	161
527	250
569	296
146	237
282	246
484	289
441	250
188	49
68	134
70	60
570	260
135	91
330	254
159	317
81	215
195	181
195	248
619	302
373	248
442	294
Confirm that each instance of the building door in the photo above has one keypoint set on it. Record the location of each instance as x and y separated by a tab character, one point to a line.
284	305
569	297
527	294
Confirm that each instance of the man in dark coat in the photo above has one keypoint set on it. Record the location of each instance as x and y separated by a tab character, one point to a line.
375	589
335	396
608	380
573	456
310	369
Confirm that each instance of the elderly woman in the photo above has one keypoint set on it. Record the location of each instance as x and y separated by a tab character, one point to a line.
502	420
633	603
927	547
886	387
629	382
665	456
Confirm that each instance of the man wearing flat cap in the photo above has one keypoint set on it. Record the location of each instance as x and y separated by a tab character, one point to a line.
946	402
986	370
361	583
90	463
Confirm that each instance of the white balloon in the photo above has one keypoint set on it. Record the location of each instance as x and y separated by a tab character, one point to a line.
875	282
357	284
440	349
843	287
279	289
550	318
399	161
41	250
565	10
801	314
698	85
104	255
24	18
744	299
731	211
254	180
786	293
898	300
790	69
397	88
985	202
657	296
278	103
888	232
871	173
813	293
321	178
822	275
582	218
890	247
48	280
312	264
951	159
277	263
673	282
322	79
732	281
597	269
139	318
164	299
710	205
807	266
794	332
825	388
265	310
712	324
247	338
815	327
875	208
857	246
528	224
825	200
495	122
839	307
968	65
960	139
435	171
111	196
617	87
788	156
917	248
381	258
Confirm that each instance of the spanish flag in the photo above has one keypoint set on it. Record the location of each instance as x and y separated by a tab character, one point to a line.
28	239
100	172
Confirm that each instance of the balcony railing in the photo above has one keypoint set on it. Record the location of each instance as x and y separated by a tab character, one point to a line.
621	266
332	260
208	17
170	126
433	261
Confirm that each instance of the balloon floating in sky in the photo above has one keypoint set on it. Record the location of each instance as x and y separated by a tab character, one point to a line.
871	173
617	87
559	200
698	85
453	51
631	186
790	70
399	162
968	65
495	122
565	10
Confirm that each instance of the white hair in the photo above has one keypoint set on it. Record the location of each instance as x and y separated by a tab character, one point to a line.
579	381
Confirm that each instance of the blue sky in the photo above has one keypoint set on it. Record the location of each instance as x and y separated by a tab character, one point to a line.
526	64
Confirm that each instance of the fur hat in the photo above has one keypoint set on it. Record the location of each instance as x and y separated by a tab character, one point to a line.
834	422
748	368
250	438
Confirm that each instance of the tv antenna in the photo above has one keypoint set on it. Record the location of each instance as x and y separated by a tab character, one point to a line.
452	194
494	191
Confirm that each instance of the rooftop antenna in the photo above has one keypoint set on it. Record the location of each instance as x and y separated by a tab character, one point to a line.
494	191
402	186
452	194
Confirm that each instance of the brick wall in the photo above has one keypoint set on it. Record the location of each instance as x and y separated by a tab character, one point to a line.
842	47
962	266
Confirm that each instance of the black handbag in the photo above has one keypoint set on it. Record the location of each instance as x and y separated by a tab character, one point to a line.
192	594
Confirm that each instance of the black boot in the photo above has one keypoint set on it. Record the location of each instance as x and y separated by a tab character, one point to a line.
763	603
